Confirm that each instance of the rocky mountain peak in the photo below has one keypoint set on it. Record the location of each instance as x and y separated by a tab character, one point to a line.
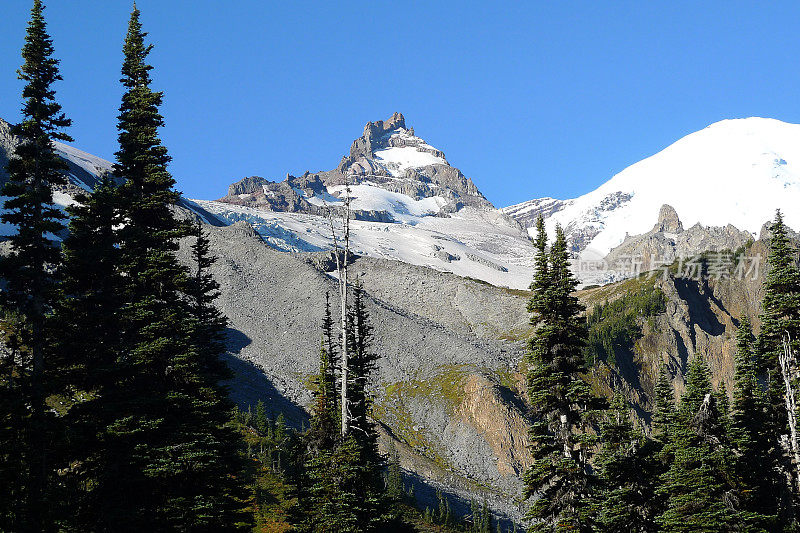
388	156
668	220
380	127
391	133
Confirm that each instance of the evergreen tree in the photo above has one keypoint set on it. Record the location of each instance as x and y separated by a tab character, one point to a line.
663	406
781	303
698	485
756	449
395	491
217	473
324	431
342	485
209	323
539	307
319	497
780	316
372	507
627	470
33	169
87	347
171	462
562	404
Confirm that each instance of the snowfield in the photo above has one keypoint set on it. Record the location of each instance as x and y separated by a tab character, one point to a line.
732	172
403	208
480	244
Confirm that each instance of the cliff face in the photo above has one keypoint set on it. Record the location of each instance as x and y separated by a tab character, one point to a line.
701	317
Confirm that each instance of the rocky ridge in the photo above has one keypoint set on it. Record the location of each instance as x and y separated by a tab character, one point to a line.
668	241
388	155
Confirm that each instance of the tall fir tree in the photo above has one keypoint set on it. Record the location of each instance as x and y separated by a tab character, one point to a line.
170	461
781	304
663	431
756	449
562	404
320	496
216	479
780	315
324	430
33	169
698	486
342	487
371	505
87	316
663	406
627	469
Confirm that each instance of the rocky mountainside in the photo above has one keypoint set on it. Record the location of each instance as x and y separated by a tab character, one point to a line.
451	394
442	381
388	156
669	241
733	172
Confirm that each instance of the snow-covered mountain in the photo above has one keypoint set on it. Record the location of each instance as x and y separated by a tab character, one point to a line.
732	172
387	157
409	203
412	205
84	172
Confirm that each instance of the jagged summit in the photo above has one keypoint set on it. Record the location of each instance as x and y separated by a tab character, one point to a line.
393	174
668	220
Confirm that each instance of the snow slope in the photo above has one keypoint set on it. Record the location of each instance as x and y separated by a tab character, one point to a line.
369	197
732	172
399	158
476	243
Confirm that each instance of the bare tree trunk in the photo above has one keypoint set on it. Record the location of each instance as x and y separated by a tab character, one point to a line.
343	288
788	368
341	267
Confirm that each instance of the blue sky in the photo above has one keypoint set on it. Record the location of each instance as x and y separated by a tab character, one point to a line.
529	99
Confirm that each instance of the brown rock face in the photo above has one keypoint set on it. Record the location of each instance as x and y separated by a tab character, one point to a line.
502	425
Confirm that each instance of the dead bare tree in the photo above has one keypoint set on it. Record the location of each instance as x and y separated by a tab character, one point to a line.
342	253
788	363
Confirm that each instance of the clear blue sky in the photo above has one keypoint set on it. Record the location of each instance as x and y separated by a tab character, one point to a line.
529	99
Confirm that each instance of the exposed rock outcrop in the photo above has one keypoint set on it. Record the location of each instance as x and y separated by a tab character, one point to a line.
421	179
668	241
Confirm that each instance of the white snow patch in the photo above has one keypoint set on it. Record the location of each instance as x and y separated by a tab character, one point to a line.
398	159
63	200
402	207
